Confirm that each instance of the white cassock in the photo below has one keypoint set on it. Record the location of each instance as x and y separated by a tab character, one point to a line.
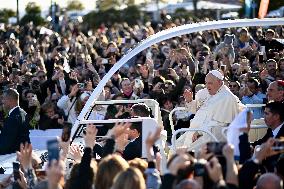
212	113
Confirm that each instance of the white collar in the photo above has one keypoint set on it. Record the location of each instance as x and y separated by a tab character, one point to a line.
133	139
13	109
276	130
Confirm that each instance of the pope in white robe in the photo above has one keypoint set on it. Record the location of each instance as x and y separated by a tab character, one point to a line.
215	107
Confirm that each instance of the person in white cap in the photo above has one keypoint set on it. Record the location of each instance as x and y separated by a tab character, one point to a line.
215	107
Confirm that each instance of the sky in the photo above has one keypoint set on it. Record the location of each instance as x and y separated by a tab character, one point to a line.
44	4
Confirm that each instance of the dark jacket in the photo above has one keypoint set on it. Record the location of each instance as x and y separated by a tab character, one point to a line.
247	174
84	177
268	135
133	149
47	123
273	44
15	131
245	152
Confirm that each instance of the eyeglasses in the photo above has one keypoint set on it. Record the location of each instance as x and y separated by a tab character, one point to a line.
41	76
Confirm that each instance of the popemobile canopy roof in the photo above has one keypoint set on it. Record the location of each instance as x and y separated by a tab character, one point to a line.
161	36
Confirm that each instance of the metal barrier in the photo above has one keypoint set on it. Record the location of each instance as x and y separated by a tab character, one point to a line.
189	130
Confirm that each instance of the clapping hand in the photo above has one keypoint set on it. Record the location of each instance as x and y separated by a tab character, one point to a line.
76	153
119	129
228	152
90	136
121	141
152	138
25	155
150	141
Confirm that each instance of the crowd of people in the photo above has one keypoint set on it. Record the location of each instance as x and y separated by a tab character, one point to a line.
46	79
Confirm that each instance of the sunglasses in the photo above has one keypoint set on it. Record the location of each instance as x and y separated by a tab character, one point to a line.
41	76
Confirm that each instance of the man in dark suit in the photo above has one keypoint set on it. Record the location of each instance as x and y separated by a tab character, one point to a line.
274	119
134	147
15	129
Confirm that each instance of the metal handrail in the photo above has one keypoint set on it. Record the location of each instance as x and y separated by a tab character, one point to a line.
171	116
191	130
184	108
145	101
255	105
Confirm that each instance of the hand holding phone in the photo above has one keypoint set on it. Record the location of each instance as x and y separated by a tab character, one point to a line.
104	61
66	132
215	148
16	170
81	86
53	150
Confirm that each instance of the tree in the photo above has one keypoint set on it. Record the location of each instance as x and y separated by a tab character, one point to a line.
74	5
5	14
32	8
182	13
104	5
33	12
131	14
195	7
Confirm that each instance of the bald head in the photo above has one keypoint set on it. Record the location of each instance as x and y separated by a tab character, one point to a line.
268	181
188	184
213	83
275	91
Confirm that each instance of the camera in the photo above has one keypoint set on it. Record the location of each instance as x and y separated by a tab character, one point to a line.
81	86
204	53
112	49
14	71
138	84
53	150
223	67
278	145
199	168
104	61
128	40
162	86
211	65
16	170
33	66
60	49
34	98
66	132
215	148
